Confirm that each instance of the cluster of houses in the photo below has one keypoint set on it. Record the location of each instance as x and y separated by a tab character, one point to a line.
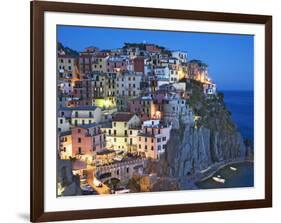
123	101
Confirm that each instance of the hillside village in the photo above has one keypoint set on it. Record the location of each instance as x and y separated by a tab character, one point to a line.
116	110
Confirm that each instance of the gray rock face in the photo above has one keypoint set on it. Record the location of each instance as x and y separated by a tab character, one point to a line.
67	180
212	139
196	149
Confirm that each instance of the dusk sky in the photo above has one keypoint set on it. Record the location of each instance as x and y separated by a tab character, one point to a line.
230	57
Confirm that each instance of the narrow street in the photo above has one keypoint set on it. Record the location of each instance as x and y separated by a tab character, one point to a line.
100	190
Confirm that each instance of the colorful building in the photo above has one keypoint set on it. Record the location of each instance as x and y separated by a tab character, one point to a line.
82	90
99	62
198	71
145	107
85	60
153	138
180	55
65	145
84	115
119	135
116	64
152	48
138	64
66	66
87	140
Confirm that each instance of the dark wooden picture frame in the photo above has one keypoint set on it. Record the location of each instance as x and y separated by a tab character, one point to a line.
37	110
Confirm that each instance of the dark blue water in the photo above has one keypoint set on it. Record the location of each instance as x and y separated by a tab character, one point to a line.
242	177
241	106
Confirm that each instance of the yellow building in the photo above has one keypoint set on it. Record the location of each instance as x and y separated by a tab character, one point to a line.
86	115
65	145
67	66
105	103
120	135
99	63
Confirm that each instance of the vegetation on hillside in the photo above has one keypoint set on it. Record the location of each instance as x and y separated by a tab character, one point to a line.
68	51
211	110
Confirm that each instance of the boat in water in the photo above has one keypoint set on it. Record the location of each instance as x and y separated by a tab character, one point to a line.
233	168
219	179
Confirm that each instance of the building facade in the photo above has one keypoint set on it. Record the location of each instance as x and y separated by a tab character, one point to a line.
153	138
84	115
119	135
87	140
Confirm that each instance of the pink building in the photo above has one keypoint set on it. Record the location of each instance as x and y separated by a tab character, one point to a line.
138	64
145	107
116	64
86	141
153	138
152	48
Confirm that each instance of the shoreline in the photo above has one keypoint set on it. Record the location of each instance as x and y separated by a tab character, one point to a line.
191	181
221	167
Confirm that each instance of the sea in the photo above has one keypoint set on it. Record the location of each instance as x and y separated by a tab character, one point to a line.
241	106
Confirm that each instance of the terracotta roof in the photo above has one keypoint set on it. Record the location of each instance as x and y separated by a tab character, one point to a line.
123	116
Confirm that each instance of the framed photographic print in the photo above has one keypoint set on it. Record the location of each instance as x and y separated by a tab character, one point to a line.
141	111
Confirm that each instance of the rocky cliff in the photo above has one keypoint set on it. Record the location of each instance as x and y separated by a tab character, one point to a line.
214	138
199	149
